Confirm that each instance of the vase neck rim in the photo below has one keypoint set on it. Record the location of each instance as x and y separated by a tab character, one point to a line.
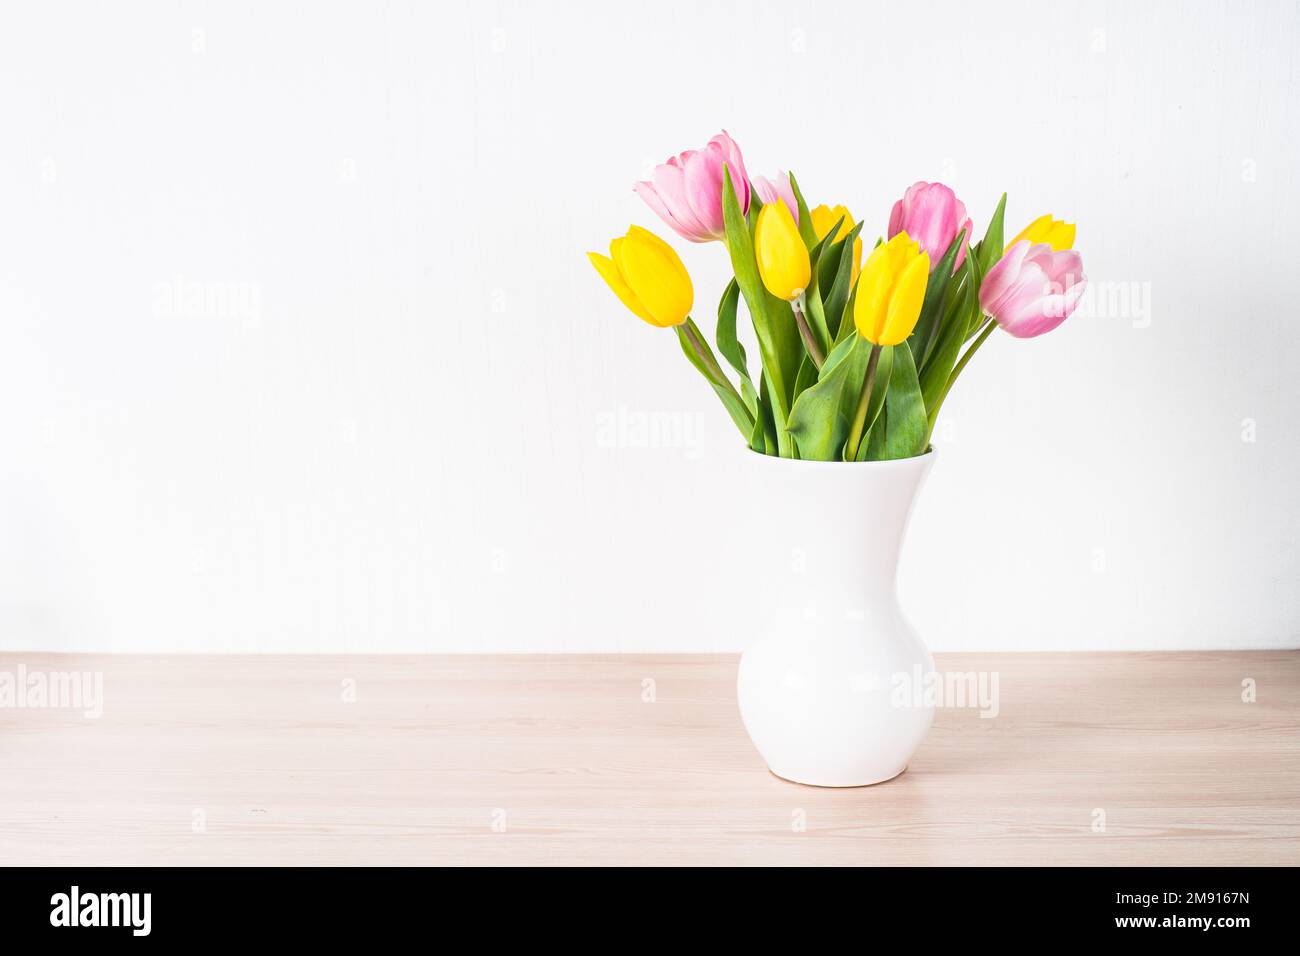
894	464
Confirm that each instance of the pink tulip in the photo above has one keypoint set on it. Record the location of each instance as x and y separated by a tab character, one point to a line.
1032	289
932	214
770	190
686	191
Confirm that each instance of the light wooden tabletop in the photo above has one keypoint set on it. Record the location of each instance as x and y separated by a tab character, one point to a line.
1107	759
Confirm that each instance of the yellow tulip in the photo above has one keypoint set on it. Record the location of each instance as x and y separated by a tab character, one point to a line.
782	257
648	276
1055	232
889	296
824	217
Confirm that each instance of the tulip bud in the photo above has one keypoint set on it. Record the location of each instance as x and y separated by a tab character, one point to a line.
824	218
1047	231
891	291
932	215
648	277
777	190
782	257
1032	290
686	191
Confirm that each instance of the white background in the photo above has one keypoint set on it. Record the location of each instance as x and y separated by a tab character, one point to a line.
403	414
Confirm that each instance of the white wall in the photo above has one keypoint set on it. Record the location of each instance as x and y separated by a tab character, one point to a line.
406	419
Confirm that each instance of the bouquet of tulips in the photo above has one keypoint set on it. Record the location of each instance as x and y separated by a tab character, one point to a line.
857	358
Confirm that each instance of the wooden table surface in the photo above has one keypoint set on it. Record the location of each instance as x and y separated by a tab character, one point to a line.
1110	759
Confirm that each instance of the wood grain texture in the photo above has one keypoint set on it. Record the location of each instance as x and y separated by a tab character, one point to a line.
574	766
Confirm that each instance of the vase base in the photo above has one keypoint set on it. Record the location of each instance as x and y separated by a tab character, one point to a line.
837	784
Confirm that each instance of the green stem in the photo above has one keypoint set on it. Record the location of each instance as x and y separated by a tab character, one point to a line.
934	412
809	340
706	355
864	399
716	375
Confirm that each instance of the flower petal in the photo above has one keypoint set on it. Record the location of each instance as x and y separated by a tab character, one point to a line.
654	272
608	270
1003	275
905	301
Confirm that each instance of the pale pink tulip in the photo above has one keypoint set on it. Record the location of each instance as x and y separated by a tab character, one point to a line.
932	214
770	190
686	191
1032	289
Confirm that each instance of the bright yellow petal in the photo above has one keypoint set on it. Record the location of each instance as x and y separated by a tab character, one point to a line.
645	235
902	249
905	303
824	217
1062	236
1034	232
782	257
1054	232
872	300
821	220
846	226
673	262
609	272
655	274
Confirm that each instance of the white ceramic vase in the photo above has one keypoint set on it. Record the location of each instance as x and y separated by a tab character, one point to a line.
820	689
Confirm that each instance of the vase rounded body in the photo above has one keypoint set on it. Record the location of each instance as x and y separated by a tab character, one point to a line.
828	691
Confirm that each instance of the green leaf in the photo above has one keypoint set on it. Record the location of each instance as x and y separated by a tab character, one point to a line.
830	262
816	318
817	423
730	346
927	326
848	327
989	249
987	254
873	442
764	437
901	430
823	414
778	339
879	388
814	310
806	378
805	218
838	295
876	403
934	377
974	315
730	400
